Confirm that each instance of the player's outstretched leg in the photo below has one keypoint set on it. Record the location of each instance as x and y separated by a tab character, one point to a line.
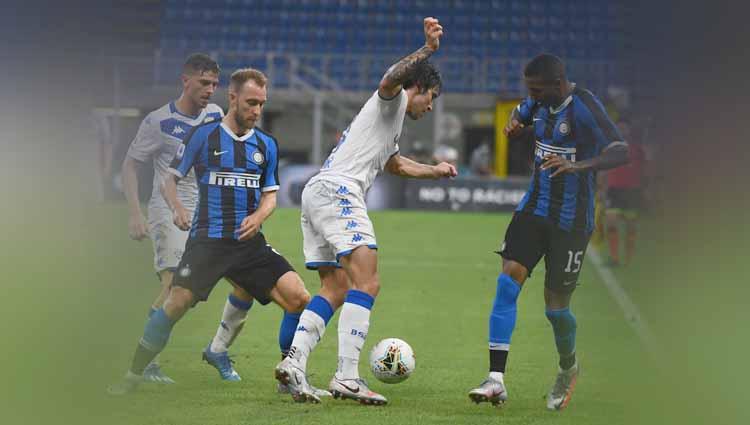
501	324
290	294
154	339
564	326
153	372
354	323
232	321
307	331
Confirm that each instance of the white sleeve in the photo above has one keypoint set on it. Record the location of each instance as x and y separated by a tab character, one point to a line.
147	141
389	107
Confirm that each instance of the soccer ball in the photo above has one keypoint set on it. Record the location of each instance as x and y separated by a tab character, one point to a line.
392	360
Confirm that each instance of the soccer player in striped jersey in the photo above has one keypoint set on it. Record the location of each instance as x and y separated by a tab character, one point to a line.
236	168
574	139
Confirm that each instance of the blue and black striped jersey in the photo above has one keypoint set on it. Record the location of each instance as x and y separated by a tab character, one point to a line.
231	172
578	129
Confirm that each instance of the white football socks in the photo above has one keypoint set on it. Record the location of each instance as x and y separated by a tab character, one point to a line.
232	321
309	331
354	323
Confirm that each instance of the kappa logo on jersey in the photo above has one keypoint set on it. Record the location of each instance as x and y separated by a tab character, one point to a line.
178	130
346	211
218	178
543	149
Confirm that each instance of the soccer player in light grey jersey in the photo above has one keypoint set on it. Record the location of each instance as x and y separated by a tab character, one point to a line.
160	135
339	239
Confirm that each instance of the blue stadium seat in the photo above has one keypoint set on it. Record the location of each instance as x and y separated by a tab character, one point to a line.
482	32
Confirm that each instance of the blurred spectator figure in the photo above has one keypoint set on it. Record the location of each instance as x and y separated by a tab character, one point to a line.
624	199
445	153
480	162
449	154
420	152
105	148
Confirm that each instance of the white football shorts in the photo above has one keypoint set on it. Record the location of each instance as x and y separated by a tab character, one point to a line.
168	240
334	222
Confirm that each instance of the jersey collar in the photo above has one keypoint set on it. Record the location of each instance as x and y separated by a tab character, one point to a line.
565	103
173	109
236	137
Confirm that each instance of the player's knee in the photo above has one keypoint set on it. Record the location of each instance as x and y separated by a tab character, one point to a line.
370	286
516	271
179	301
506	293
562	321
300	300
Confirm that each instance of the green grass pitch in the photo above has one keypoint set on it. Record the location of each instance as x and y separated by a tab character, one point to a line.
93	287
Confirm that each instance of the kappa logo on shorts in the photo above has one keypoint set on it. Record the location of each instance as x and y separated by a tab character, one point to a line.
185	271
346	211
357	237
344	203
351	224
342	190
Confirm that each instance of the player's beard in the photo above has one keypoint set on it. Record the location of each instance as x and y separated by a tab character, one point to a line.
242	124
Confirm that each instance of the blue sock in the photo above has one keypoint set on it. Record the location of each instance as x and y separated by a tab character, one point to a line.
151	311
286	331
502	321
321	307
155	338
564	326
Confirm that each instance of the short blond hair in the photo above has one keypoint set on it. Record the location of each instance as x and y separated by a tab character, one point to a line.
243	75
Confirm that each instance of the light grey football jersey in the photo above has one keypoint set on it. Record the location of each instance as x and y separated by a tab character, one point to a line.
368	143
159	136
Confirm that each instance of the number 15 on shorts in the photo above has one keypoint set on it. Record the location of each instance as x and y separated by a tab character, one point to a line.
574	261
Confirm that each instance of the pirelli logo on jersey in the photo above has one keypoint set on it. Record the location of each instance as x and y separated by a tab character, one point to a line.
228	179
543	149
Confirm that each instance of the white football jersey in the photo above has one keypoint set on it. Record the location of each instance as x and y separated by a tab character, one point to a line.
369	142
159	136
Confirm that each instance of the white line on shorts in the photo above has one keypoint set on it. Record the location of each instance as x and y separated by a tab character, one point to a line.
629	309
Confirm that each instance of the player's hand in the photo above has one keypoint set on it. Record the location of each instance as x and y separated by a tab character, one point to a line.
137	227
432	32
444	169
513	128
249	227
561	164
181	218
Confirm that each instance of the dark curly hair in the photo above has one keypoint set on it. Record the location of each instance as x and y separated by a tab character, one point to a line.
425	76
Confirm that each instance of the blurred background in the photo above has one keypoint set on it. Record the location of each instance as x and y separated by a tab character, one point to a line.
81	75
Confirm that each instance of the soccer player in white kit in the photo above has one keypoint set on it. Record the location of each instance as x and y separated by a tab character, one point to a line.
160	135
339	239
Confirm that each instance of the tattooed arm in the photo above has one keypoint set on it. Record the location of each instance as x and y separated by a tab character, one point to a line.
399	72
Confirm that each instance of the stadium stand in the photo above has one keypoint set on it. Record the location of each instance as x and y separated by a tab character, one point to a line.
350	42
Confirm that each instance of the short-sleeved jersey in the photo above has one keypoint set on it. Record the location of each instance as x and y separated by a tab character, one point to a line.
160	134
578	129
231	171
367	144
